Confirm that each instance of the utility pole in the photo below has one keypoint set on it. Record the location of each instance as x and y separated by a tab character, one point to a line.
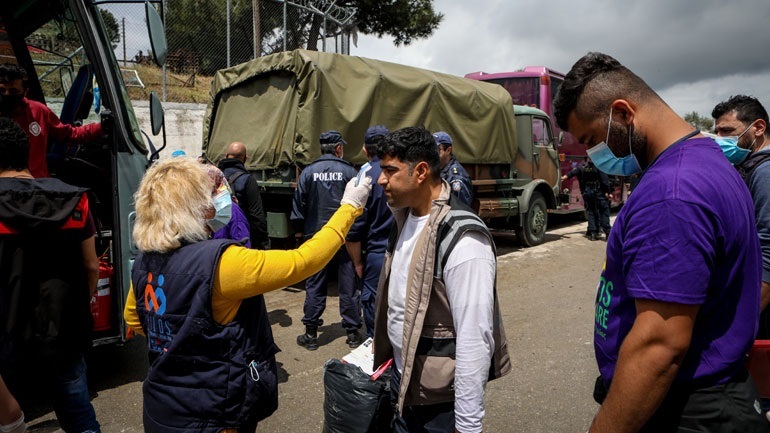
257	30
124	42
228	33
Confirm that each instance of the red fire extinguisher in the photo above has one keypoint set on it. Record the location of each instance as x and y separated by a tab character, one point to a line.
101	302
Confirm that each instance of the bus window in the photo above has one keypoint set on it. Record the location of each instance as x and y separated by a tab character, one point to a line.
555	84
524	91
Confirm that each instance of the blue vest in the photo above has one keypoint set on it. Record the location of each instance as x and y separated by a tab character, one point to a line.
203	376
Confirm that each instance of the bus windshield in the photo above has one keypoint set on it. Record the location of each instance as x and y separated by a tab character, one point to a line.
523	90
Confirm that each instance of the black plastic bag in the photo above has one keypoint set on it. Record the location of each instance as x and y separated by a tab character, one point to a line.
353	402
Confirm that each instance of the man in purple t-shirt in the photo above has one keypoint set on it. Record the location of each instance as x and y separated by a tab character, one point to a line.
678	301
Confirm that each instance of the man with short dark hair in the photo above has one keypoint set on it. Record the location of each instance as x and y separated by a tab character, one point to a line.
48	273
37	120
247	193
745	118
452	171
437	314
678	298
319	190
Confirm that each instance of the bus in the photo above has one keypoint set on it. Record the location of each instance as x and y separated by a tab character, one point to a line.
536	86
65	48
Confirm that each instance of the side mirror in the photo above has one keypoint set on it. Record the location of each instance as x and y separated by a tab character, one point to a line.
157	124
157	120
157	34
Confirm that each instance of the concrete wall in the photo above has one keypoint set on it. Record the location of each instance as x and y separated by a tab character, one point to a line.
184	126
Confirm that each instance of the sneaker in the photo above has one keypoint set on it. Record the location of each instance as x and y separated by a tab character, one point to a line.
307	341
354	339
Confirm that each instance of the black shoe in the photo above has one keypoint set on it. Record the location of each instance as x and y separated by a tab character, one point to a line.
354	339
595	236
309	340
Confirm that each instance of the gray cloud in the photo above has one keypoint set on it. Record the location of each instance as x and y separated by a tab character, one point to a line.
703	46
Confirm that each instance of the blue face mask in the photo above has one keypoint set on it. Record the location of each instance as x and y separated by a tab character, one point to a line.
606	161
223	208
730	148
729	145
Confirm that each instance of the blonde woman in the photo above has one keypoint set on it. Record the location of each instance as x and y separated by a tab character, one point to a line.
212	355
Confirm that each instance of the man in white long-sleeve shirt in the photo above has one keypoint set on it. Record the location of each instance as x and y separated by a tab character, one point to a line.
436	310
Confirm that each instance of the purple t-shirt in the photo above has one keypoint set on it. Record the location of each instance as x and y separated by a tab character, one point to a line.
685	236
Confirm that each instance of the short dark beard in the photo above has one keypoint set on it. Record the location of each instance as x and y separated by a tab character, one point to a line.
618	143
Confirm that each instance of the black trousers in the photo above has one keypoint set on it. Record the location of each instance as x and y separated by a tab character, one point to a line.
732	407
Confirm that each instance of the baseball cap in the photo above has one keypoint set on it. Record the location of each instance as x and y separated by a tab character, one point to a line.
442	137
374	131
332	137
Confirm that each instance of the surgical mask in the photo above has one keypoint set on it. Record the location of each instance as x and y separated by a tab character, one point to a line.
603	158
223	211
729	145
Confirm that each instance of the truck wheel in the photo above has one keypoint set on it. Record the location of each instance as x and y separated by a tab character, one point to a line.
535	222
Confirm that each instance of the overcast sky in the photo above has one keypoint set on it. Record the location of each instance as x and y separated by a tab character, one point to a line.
694	53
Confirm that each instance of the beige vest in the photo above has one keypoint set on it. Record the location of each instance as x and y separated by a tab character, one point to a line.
429	334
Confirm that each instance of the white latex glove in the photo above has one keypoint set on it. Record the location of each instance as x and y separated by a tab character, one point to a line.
357	195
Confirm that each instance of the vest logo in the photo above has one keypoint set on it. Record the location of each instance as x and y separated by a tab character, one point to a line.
35	129
154	298
157	328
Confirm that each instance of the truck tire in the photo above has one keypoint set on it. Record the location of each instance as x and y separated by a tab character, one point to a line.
534	223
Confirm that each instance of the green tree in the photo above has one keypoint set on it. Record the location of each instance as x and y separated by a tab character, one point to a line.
405	20
197	29
702	123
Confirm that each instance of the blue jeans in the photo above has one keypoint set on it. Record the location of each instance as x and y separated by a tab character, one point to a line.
71	401
434	418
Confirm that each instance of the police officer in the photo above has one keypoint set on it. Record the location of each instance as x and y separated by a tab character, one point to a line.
319	190
379	220
452	171
595	187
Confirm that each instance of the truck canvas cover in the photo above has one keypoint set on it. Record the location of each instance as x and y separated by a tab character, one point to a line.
279	104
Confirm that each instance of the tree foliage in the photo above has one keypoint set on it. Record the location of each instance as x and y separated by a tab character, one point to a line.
701	122
197	29
405	20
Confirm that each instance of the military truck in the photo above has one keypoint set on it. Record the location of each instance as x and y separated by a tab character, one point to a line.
279	104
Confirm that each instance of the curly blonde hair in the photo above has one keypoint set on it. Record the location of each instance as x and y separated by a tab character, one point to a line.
170	205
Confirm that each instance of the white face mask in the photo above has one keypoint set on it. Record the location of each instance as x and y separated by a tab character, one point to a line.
223	211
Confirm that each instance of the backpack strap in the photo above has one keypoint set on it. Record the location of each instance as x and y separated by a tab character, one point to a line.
747	167
235	176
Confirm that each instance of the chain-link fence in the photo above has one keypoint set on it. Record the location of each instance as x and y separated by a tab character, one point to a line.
207	35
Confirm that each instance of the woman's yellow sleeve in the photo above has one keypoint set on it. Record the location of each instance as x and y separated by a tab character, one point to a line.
243	273
129	312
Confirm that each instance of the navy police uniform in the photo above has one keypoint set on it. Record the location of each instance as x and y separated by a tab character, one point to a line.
594	186
458	181
319	190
